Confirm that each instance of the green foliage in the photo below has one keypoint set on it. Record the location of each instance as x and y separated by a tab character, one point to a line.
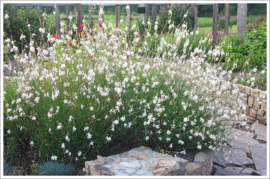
244	54
253	9
8	169
254	80
221	23
55	168
17	25
254	22
177	17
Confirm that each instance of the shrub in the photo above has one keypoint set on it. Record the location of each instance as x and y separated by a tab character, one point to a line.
16	25
96	92
55	168
255	22
8	169
242	55
181	14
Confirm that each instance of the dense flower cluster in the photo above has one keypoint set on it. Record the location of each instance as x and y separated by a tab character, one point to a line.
98	89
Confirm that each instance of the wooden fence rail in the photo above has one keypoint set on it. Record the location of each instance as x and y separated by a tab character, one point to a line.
79	15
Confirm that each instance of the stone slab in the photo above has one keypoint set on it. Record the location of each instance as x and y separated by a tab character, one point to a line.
239	158
160	155
192	167
247	171
227	172
100	170
201	158
101	159
165	167
260	130
243	140
258	154
140	156
260	172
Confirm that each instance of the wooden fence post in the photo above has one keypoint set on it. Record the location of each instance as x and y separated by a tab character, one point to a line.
215	19
242	19
144	17
128	17
57	21
102	15
26	11
195	10
67	12
154	13
117	14
227	18
38	8
75	12
79	9
90	13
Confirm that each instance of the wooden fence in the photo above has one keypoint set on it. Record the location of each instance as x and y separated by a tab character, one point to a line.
79	15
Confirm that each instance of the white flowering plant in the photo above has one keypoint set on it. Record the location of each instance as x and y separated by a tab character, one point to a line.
27	26
177	14
98	91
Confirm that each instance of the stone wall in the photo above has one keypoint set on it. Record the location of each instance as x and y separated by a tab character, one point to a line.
255	99
143	161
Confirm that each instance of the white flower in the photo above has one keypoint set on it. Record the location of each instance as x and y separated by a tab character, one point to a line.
8	131
147	138
7	40
186	119
89	136
79	153
74	128
181	142
62	145
184	26
91	143
123	118
31	143
54	157
67	138
169	21
70	17
254	70
22	37
101	12
185	15
49	115
34	118
59	126
170	12
108	138
199	147
168	132
86	128
6	16
171	146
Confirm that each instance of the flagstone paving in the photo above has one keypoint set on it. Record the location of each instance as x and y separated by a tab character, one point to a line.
250	157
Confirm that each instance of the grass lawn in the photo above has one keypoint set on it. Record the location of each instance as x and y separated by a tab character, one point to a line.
107	18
